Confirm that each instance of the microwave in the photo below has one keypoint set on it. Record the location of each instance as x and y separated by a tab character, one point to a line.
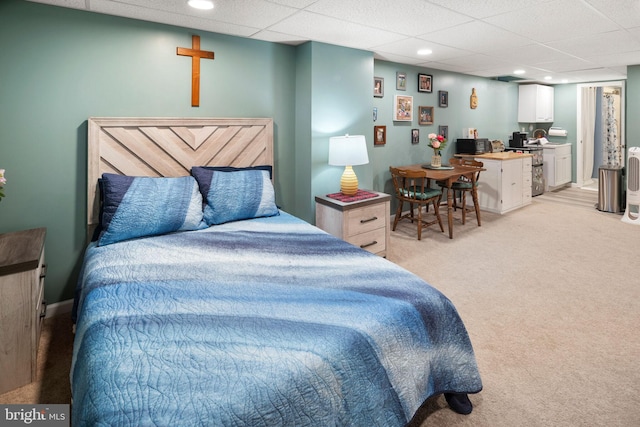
473	146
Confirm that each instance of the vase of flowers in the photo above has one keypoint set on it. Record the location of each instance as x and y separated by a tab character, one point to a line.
437	142
3	181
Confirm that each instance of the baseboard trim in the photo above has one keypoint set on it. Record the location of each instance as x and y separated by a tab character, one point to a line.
57	308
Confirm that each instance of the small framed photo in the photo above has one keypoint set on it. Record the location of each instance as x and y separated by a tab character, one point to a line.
403	108
425	83
425	115
444	131
401	81
378	87
443	98
415	136
379	135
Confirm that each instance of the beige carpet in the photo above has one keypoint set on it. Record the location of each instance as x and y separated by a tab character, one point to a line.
550	295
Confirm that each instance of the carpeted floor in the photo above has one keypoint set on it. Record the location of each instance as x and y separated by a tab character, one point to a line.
550	296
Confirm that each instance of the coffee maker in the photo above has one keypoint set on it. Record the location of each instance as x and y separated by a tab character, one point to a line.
518	140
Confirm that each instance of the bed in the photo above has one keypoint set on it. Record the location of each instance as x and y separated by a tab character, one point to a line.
238	313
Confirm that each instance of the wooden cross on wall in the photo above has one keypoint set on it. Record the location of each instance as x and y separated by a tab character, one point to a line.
195	53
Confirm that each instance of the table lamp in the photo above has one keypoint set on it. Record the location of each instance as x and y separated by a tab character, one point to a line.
348	151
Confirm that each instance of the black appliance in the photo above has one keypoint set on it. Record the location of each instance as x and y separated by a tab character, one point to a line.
518	140
473	146
537	172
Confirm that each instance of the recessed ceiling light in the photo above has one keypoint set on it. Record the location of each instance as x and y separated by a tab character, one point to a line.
201	4
518	72
548	77
425	52
565	81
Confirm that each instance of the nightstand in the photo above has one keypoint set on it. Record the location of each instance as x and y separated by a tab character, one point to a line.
364	223
22	308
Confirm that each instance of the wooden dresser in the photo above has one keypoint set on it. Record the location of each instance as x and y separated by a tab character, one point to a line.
22	307
364	223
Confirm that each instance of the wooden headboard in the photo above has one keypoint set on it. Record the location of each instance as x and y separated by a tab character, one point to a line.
159	147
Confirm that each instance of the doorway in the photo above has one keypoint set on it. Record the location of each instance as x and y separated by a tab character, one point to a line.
600	126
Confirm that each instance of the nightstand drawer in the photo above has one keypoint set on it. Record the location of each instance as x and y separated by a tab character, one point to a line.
365	219
373	241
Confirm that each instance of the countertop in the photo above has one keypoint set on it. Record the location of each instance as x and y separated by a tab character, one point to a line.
503	155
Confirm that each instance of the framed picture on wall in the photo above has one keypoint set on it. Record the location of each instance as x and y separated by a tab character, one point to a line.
378	87
379	135
443	98
425	83
401	81
444	131
425	115
403	108
415	136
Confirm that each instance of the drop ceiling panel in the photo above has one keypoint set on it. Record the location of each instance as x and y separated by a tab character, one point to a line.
485	37
399	17
557	20
335	31
486	8
409	47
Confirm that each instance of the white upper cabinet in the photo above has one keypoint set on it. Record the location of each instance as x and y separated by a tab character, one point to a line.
535	104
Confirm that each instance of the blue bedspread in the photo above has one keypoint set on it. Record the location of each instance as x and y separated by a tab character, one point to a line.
264	322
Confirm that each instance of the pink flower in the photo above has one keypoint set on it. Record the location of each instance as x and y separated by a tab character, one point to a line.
437	142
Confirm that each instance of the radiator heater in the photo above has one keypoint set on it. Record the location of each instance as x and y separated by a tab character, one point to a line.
632	212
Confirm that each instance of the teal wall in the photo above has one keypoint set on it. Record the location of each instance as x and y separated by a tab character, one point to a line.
60	66
495	117
632	96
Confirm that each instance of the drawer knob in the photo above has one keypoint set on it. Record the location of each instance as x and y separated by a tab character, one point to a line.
366	245
362	221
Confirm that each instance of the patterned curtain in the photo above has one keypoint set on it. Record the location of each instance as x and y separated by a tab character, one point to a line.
612	152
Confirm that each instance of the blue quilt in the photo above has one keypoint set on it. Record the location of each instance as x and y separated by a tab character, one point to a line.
263	322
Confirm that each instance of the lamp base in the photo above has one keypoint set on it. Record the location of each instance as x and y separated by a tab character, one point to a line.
349	182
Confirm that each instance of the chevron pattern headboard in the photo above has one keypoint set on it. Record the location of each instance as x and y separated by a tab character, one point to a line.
160	147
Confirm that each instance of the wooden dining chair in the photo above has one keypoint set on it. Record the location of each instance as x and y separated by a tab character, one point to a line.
414	188
463	186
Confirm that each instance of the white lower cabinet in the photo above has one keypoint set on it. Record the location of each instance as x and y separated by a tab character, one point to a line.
557	165
505	185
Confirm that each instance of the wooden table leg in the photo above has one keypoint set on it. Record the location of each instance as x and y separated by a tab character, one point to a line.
474	194
450	210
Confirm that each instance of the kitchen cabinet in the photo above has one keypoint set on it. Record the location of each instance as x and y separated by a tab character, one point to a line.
557	165
505	185
22	308
535	104
364	223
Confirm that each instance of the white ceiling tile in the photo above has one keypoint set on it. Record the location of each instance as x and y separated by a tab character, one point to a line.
486	8
624	12
335	31
557	20
409	17
562	66
409	47
592	45
298	4
484	38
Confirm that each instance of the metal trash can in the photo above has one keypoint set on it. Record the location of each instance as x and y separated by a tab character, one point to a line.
610	189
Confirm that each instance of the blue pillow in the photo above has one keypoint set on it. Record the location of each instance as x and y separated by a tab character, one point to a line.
235	195
141	206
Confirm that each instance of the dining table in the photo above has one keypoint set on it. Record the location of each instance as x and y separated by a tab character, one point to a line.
449	175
